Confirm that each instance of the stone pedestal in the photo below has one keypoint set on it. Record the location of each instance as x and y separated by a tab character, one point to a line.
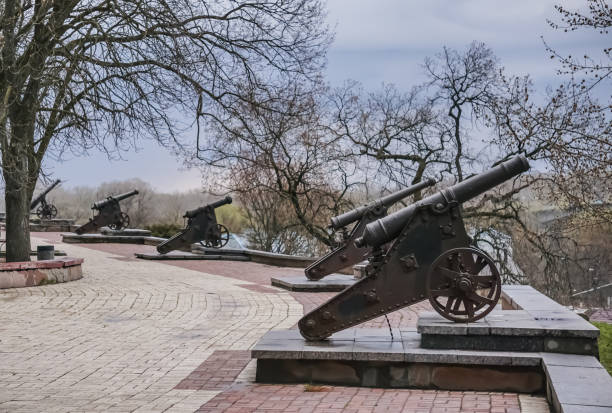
535	345
127	232
182	255
555	331
126	237
330	283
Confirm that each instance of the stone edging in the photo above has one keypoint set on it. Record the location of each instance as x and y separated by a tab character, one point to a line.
33	273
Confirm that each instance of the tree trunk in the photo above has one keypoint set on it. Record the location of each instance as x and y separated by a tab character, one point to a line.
17	221
17	196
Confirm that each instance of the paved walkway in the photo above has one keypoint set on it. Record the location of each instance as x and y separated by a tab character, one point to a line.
144	336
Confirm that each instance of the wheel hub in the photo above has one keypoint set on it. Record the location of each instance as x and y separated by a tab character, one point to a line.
465	284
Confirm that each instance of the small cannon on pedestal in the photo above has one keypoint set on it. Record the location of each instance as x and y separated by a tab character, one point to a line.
201	227
430	257
45	210
109	214
348	253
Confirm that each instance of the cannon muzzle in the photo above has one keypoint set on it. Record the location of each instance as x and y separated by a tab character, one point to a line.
225	201
386	201
101	204
44	193
386	229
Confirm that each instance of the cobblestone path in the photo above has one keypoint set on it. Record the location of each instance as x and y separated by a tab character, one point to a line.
135	335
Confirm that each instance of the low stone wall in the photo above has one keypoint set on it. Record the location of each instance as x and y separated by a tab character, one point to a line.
72	238
33	273
52	225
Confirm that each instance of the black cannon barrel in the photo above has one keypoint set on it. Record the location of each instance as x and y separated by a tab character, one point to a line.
388	200
41	196
389	227
121	197
214	205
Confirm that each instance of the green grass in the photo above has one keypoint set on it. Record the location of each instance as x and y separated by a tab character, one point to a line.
605	344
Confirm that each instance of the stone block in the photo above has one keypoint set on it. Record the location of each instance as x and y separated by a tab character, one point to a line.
580	386
377	334
573	408
277	349
378	351
331	283
328	350
483	379
577	345
434	323
570	360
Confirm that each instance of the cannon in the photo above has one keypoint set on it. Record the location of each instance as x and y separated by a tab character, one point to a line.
45	210
348	253
201	227
430	256
109	214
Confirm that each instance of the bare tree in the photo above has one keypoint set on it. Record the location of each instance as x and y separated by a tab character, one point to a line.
280	153
587	72
466	118
77	75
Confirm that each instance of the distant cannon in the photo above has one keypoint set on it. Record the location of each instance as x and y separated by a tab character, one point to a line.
430	256
45	210
348	253
109	214
201	227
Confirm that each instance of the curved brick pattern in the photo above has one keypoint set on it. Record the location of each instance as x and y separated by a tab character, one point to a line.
125	335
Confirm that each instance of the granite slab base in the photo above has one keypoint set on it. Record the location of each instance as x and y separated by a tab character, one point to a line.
182	255
127	232
536	324
330	283
372	358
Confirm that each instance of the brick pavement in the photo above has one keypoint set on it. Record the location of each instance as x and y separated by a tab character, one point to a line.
131	333
306	399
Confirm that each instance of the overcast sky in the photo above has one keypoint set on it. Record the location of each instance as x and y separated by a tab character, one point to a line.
380	41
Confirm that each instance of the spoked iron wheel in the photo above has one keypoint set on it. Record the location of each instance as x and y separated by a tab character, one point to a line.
46	211
124	222
463	285
221	239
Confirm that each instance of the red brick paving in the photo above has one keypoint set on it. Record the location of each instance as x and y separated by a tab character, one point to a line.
218	372
328	399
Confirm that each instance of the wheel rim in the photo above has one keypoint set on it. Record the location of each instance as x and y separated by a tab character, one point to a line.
123	222
224	235
463	285
218	239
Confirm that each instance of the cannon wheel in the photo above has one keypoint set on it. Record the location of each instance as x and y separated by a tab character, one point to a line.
224	237
463	284
123	222
48	211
